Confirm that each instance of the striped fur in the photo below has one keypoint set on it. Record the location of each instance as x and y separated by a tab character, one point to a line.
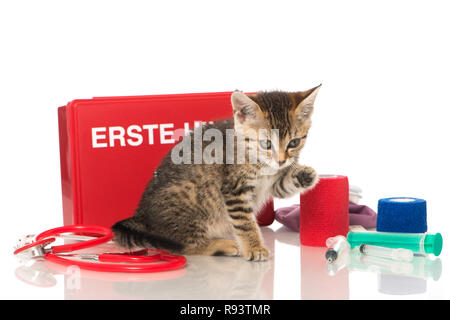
210	208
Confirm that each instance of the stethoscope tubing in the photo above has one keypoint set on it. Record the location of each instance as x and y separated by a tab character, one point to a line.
128	263
106	233
172	263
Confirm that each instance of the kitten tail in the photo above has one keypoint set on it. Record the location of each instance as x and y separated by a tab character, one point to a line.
131	233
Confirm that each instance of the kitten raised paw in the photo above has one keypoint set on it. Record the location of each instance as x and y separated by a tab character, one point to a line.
257	254
307	177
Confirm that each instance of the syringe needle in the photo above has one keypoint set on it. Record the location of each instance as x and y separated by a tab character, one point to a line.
336	246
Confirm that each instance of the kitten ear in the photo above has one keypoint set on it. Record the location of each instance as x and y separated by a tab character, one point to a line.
245	110
305	102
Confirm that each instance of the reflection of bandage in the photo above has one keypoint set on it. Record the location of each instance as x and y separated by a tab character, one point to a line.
316	283
400	285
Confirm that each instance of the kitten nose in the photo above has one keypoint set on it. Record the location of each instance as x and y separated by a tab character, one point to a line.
281	162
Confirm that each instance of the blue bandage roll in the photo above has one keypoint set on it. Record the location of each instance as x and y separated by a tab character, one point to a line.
402	214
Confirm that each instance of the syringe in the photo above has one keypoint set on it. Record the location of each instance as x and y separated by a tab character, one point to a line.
389	253
422	243
336	245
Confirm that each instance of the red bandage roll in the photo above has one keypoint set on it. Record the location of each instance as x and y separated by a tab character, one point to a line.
324	211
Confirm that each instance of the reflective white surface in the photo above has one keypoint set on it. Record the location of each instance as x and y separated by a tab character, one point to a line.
293	272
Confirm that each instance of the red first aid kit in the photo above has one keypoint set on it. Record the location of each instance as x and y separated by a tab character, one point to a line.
111	146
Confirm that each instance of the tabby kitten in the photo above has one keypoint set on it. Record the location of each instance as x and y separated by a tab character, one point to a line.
209	209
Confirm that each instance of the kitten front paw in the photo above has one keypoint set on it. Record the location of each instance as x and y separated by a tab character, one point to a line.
307	177
257	254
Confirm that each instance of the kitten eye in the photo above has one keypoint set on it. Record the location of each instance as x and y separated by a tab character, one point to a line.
294	143
265	144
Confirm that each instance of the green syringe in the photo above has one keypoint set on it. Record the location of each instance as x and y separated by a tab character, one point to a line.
417	242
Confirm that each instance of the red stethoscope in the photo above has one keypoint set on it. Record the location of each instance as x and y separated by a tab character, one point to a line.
141	261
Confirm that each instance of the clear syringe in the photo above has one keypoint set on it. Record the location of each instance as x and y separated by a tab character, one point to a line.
336	246
394	254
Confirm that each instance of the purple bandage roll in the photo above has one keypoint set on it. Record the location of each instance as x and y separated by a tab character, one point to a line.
289	217
362	215
359	215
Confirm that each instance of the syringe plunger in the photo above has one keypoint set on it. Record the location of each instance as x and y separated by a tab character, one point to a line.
395	254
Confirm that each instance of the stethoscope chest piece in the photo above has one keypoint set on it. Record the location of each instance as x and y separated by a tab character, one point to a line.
33	250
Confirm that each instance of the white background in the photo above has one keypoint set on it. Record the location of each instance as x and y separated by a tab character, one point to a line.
381	118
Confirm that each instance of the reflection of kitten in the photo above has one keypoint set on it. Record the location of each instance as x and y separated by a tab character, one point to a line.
209	208
206	278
